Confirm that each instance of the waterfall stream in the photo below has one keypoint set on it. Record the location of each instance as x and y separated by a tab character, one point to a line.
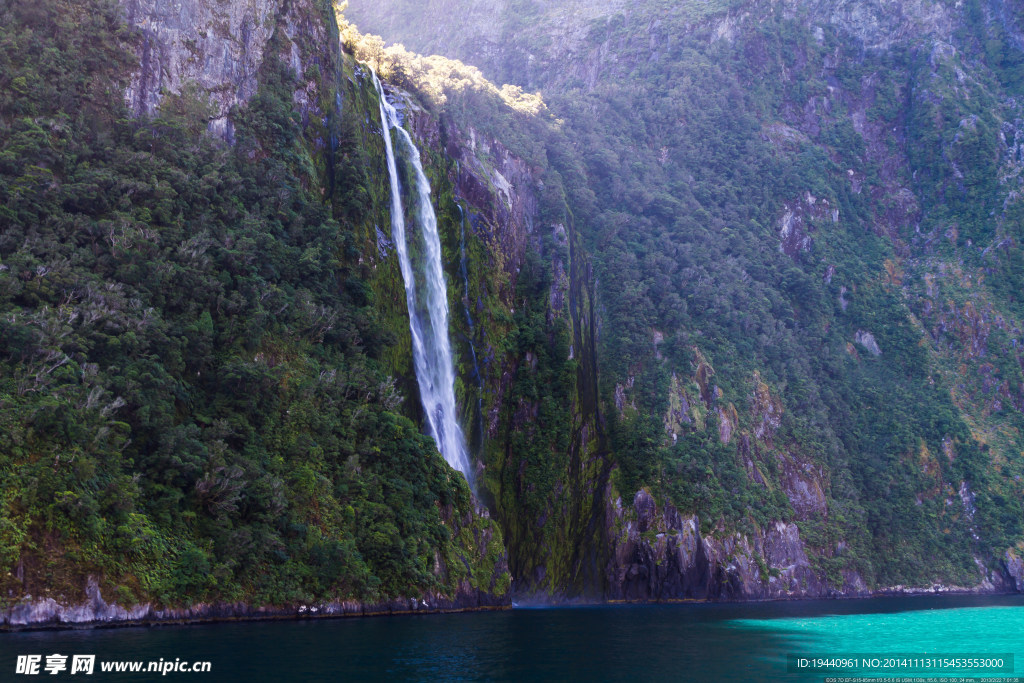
425	293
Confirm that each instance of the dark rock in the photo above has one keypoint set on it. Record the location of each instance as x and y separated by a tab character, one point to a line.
94	611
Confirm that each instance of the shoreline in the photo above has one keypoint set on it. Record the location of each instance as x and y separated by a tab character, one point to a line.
284	615
35	614
234	613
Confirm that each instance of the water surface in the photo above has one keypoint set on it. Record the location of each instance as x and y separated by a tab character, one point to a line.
698	642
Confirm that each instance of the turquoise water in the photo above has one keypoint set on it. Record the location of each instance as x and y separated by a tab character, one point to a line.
689	642
934	632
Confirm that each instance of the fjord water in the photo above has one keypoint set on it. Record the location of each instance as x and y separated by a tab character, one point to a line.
688	642
425	292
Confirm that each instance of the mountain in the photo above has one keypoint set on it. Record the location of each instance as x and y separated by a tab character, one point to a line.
804	224
734	303
199	417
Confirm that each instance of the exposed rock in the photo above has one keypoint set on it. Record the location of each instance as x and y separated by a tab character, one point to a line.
704	373
798	223
784	137
620	398
793	239
659	554
867	340
727	422
1015	568
499	187
94	611
802	484
967	498
679	406
649	564
878	24
217	47
766	410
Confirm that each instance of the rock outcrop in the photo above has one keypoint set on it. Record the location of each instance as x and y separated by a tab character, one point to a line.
34	613
659	554
1015	568
217	50
217	46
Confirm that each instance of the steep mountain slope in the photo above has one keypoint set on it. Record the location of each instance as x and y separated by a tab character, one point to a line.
804	223
198	415
735	304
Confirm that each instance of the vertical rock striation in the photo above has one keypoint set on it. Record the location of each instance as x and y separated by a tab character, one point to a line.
216	49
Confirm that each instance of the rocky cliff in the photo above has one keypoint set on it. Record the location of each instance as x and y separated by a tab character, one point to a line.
802	218
217	49
523	284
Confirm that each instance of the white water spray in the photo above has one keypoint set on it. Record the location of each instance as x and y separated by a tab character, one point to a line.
425	295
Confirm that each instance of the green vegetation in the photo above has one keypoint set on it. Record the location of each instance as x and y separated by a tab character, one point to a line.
686	239
193	400
776	276
778	215
530	399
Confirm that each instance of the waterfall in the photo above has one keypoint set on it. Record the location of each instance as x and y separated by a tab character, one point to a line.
425	295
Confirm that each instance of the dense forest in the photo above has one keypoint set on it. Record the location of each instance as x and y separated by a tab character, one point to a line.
193	400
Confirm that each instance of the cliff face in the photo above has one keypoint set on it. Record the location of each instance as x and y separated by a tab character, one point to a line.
803	218
661	555
520	291
561	475
219	48
736	318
